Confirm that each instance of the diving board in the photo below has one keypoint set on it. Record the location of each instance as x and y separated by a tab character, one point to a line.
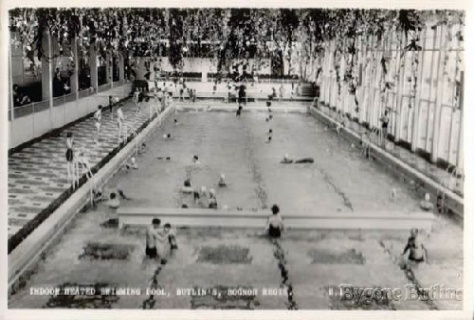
394	220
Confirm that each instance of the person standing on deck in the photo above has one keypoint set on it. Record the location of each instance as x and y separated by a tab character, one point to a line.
111	107
71	174
136	98
120	119
97	122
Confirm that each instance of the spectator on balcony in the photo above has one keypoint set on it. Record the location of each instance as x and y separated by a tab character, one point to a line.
19	98
58	85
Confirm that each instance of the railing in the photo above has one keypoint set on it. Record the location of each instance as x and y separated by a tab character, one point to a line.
28	109
85	93
105	87
64	99
194	79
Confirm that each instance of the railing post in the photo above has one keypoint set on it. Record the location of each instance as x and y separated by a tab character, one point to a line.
418	96
75	74
47	74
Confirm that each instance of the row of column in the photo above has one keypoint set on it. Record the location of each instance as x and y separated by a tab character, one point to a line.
373	78
48	67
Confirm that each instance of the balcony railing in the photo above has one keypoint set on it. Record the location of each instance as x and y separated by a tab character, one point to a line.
105	87
64	99
85	93
28	109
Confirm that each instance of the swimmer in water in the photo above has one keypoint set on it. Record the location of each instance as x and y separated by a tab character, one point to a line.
426	204
196	159
222	182
287	160
239	111
187	187
417	253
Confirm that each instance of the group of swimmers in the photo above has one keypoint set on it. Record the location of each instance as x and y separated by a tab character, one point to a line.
202	197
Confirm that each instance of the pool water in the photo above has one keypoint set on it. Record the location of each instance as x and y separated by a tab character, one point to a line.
339	180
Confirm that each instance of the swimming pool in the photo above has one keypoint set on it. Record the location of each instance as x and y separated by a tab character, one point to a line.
339	180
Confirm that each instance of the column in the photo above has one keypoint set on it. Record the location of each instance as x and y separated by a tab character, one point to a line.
121	69
418	96
400	89
47	68
108	74
438	102
75	75
93	66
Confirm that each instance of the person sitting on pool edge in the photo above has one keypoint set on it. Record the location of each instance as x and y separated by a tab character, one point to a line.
426	204
275	225
212	199
212	203
113	203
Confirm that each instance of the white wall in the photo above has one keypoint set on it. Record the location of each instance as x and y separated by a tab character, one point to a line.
37	124
190	65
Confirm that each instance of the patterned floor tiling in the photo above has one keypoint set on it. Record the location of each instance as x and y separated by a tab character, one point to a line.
38	174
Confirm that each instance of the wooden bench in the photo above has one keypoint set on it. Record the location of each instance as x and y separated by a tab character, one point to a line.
250	219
